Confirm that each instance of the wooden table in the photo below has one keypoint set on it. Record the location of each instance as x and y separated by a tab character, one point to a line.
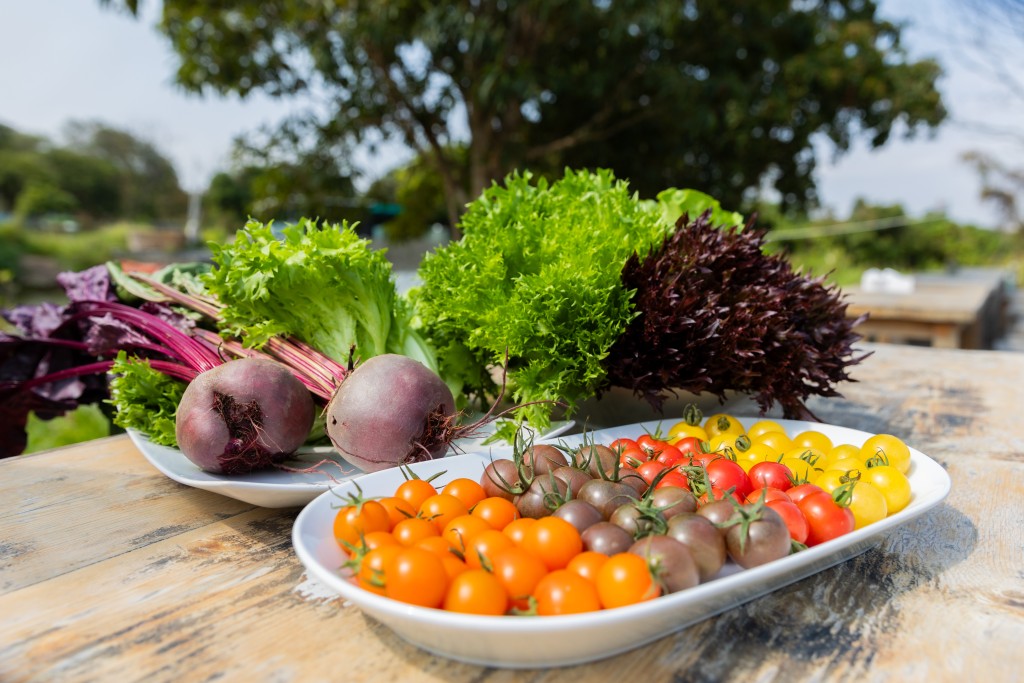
943	311
111	572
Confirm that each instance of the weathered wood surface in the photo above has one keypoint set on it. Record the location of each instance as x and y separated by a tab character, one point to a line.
111	572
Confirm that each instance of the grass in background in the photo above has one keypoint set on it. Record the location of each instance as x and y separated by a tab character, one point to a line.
82	424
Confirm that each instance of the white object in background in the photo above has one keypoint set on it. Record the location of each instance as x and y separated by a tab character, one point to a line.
886	281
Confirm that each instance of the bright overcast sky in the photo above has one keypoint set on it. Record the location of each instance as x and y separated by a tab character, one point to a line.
70	59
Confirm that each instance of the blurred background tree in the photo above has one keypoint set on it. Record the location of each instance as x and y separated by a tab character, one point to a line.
723	95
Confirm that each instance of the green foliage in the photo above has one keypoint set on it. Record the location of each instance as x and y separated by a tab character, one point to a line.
322	284
536	276
885	237
721	96
102	174
38	199
145	399
84	423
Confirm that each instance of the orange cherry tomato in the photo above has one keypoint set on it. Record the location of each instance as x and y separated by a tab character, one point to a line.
411	530
417	577
484	546
516	529
470	492
415	491
587	564
442	508
554	540
461	530
497	512
397	508
625	579
519	572
371	575
352	521
565	592
476	591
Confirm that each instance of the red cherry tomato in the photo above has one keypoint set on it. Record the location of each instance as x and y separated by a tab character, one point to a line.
727	474
826	519
771	474
794	519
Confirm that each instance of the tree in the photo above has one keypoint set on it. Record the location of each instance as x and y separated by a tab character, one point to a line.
722	95
149	186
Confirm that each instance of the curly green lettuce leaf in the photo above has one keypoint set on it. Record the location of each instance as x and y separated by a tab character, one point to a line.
675	202
145	399
536	275
322	284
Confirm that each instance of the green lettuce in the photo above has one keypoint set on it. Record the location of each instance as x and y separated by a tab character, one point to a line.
536	275
324	285
145	399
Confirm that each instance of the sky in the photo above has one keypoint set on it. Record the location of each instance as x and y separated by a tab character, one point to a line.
72	60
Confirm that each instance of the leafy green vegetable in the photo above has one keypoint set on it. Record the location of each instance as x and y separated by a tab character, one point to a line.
536	275
674	202
321	284
145	399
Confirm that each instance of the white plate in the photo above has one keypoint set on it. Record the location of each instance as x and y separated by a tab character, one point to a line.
276	488
530	642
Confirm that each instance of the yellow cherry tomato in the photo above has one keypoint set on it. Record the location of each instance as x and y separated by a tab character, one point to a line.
813	439
723	423
777	440
844	464
886	449
842	450
683	429
893	484
867	504
763	427
801	469
812	455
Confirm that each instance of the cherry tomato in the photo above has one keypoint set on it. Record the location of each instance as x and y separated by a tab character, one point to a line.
726	474
352	521
462	529
813	439
633	457
886	449
825	518
476	591
650	469
777	440
893	484
794	519
409	531
691	446
519	571
470	492
565	592
625	579
841	452
674	478
867	504
482	547
397	508
497	512
417	577
684	429
622	444
769	494
415	491
650	444
442	508
722	423
763	427
770	474
670	456
372	568
587	564
516	529
554	540
801	491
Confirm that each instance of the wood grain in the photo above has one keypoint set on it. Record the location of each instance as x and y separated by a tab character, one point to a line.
109	571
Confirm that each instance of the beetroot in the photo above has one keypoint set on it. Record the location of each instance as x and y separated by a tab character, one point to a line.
391	410
245	415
